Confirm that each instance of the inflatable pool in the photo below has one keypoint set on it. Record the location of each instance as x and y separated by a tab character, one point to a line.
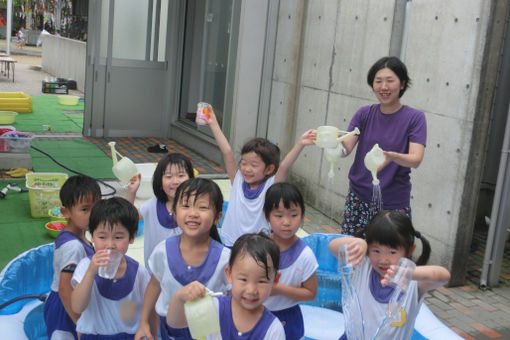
30	275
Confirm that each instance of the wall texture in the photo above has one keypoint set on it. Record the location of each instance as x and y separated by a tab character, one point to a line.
64	58
323	52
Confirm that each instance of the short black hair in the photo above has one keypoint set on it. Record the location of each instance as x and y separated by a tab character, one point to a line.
157	179
283	192
394	64
394	229
259	247
267	151
196	187
77	188
115	210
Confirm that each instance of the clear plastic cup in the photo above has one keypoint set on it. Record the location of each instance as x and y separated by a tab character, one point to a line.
400	281
203	114
202	317
109	271
343	255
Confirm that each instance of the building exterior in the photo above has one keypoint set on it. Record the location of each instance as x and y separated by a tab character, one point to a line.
275	68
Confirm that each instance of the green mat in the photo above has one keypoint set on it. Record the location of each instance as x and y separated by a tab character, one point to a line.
20	232
76	154
47	111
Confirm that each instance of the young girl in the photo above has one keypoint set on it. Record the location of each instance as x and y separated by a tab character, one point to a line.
78	195
252	271
195	255
284	210
110	308
157	212
389	236
258	170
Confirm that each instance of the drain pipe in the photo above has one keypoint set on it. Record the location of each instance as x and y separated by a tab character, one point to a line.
501	195
8	29
406	31
400	29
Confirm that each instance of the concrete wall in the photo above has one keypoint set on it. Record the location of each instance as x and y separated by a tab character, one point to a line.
64	58
323	52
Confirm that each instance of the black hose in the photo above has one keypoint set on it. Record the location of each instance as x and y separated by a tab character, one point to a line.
41	297
77	172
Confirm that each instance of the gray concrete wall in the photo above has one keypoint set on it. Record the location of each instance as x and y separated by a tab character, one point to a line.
323	52
64	58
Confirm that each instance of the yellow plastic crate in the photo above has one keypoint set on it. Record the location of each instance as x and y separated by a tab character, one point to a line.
43	191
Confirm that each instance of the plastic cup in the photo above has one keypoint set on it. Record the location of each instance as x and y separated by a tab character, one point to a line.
343	255
202	317
109	271
404	274
203	114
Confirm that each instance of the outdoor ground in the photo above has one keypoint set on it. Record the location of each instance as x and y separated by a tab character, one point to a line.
469	311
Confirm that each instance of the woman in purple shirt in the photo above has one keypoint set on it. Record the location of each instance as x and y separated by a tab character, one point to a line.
400	131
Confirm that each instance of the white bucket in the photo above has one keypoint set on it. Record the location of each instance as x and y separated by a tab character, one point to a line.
146	170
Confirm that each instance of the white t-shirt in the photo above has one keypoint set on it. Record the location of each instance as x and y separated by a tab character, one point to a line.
244	215
297	264
153	231
374	312
110	298
211	272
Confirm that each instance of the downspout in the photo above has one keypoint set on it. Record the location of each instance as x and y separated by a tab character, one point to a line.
8	29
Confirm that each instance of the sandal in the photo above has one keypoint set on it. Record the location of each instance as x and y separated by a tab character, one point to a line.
158	148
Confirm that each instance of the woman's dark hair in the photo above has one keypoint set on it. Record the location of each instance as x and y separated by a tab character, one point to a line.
394	229
77	188
196	187
177	159
259	247
394	64
267	151
111	211
283	192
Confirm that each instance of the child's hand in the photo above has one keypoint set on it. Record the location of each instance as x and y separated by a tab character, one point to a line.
308	138
100	259
191	292
212	119
134	183
144	332
357	250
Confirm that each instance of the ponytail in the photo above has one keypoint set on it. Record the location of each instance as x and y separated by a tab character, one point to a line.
425	252
214	234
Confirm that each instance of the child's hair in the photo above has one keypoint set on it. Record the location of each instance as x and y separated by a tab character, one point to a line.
196	187
77	188
267	151
394	229
283	192
259	247
394	64
177	159
115	210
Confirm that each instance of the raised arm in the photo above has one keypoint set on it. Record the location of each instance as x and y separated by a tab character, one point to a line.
134	184
410	160
80	297
224	145
148	318
175	317
306	139
430	277
357	248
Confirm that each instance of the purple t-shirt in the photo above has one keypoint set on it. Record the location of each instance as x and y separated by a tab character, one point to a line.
393	132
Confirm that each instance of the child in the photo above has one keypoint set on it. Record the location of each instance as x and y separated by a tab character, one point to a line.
195	255
21	37
157	212
284	210
252	271
258	170
110	308
389	236
78	195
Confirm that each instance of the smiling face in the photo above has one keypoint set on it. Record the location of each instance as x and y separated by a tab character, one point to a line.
382	257
250	284
285	222
387	86
108	237
196	215
78	215
254	170
173	176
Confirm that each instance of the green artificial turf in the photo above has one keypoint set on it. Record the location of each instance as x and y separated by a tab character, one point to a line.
47	111
76	154
20	232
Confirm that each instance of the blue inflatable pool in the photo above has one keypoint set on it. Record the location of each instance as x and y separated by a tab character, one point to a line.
30	274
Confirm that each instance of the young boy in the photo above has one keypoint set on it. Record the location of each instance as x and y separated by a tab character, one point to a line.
110	308
258	169
78	195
